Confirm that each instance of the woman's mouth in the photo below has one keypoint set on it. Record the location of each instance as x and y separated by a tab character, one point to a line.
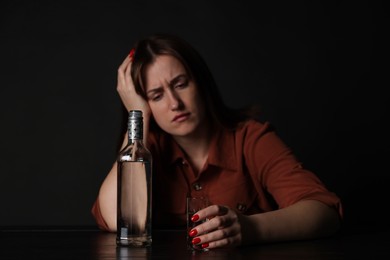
181	117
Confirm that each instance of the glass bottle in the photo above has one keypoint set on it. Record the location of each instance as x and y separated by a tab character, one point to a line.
134	194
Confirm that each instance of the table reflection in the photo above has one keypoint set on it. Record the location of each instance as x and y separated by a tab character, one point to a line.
171	244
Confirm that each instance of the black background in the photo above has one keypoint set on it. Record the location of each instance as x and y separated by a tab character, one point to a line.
315	67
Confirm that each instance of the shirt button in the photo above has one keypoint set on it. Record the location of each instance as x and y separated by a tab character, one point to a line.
241	207
197	186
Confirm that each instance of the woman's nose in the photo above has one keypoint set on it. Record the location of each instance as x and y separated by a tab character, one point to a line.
174	101
174	104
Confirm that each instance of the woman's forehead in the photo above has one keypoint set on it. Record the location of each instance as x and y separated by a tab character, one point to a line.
163	68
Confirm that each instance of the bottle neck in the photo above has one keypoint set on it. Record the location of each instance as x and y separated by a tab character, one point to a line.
135	141
135	129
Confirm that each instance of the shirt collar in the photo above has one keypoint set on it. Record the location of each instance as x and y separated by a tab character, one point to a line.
221	152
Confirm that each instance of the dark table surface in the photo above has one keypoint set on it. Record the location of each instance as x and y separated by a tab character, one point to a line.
170	244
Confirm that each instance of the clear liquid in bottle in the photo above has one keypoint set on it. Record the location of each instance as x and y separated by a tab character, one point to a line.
134	194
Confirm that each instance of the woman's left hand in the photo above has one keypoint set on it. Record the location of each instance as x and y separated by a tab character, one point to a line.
223	229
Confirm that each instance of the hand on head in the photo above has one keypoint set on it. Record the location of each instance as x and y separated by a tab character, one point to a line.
125	87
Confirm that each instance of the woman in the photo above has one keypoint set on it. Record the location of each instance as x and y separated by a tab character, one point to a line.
259	191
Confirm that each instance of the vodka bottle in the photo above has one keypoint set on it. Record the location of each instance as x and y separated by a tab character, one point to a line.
134	193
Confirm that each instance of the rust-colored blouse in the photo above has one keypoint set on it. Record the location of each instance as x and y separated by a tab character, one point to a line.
249	169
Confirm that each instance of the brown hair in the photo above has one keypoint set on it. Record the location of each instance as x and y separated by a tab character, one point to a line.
146	50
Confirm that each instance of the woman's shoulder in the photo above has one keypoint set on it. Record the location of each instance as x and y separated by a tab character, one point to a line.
253	126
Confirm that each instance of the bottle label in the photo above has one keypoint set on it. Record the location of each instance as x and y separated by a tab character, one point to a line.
135	129
135	124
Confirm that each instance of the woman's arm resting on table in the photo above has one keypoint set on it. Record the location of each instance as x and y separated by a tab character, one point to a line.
107	199
307	219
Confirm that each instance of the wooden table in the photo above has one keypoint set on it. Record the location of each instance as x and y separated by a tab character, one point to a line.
170	244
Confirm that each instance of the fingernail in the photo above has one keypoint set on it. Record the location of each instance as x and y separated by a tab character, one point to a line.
131	54
196	240
195	217
193	233
204	245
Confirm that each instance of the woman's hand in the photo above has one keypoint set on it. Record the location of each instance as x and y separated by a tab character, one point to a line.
125	87
224	228
306	219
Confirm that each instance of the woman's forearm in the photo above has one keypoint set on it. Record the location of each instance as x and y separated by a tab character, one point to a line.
307	219
108	197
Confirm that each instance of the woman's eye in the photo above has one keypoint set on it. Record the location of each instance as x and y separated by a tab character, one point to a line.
155	97
181	85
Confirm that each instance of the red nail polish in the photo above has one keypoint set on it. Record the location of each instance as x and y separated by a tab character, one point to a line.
195	217
196	240
205	245
193	233
131	54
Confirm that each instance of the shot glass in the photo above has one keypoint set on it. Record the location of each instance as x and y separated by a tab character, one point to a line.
194	204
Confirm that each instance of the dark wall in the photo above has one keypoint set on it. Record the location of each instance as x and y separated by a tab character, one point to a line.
314	67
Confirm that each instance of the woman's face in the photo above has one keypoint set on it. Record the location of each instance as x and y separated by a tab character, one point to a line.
173	97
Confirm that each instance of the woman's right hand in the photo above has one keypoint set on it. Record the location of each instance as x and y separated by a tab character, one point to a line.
125	87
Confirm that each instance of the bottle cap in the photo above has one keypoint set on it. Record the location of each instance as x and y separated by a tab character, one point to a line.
133	114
